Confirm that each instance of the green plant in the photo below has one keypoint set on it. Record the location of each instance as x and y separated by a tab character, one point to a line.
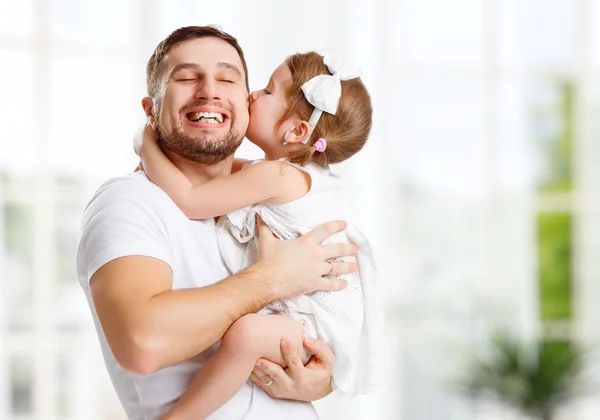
532	378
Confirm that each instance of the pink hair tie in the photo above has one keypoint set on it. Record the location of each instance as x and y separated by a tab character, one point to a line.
320	145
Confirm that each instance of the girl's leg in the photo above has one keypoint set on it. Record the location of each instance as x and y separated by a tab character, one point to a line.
249	338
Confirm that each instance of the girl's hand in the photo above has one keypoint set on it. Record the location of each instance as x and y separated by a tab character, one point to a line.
145	134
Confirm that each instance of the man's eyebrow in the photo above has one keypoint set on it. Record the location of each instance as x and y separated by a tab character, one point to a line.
183	66
231	67
194	66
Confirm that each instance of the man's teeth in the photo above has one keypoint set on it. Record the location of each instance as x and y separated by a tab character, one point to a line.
207	117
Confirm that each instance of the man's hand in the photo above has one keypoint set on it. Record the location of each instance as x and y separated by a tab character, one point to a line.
300	266
297	382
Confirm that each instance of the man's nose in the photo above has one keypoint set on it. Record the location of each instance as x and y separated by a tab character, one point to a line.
208	90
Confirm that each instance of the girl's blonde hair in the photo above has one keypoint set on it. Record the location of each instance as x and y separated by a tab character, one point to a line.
346	132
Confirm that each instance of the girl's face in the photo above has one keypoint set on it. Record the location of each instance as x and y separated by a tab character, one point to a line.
266	110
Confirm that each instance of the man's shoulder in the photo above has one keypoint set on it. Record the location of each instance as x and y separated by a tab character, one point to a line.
135	182
130	197
133	189
127	216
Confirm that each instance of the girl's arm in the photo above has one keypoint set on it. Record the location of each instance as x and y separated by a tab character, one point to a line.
260	182
238	164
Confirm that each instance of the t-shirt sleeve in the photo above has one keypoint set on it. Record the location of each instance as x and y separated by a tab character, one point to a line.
122	219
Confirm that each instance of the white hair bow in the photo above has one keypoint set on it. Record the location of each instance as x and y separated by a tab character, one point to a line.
324	91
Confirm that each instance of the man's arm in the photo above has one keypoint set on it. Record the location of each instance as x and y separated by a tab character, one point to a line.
149	326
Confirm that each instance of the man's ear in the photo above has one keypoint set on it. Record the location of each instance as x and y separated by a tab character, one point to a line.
298	133
148	105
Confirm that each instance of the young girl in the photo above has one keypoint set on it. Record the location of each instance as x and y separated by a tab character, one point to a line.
314	112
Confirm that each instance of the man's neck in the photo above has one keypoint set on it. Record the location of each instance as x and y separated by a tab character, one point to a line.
199	173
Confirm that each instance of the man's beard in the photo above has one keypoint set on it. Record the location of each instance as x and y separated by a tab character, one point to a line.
205	149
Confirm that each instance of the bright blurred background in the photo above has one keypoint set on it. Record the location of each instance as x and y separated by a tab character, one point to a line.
480	188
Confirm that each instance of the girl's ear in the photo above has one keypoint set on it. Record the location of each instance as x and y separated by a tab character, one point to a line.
298	133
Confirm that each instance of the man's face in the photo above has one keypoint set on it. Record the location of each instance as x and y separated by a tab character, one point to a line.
202	105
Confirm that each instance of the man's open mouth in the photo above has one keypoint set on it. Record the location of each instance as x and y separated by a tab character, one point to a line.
206	117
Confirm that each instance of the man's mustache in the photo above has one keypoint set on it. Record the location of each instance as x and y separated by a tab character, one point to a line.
202	102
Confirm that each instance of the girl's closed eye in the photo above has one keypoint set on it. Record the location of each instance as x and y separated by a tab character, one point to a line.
267	91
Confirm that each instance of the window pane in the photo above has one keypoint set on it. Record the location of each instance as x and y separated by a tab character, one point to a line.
95	111
594	10
553	130
510	149
592	144
177	13
16	17
100	23
554	256
441	238
430	31
16	119
511	29
440	146
67	230
63	379
17	271
72	311
21	384
551	32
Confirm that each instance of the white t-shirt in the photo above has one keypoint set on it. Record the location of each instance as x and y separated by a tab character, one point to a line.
131	216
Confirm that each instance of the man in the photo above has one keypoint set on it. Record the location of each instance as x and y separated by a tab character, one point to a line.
157	287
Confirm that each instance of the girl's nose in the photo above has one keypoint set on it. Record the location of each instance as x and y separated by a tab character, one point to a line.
253	96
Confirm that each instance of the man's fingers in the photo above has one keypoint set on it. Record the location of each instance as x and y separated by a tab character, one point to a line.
269	370
336	268
338	250
255	378
321	353
260	376
332	285
291	357
262	385
259	373
324	231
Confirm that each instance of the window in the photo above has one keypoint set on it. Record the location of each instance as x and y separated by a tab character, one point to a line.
479	186
554	127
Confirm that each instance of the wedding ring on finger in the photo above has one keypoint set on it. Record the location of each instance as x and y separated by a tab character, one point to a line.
269	383
330	268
